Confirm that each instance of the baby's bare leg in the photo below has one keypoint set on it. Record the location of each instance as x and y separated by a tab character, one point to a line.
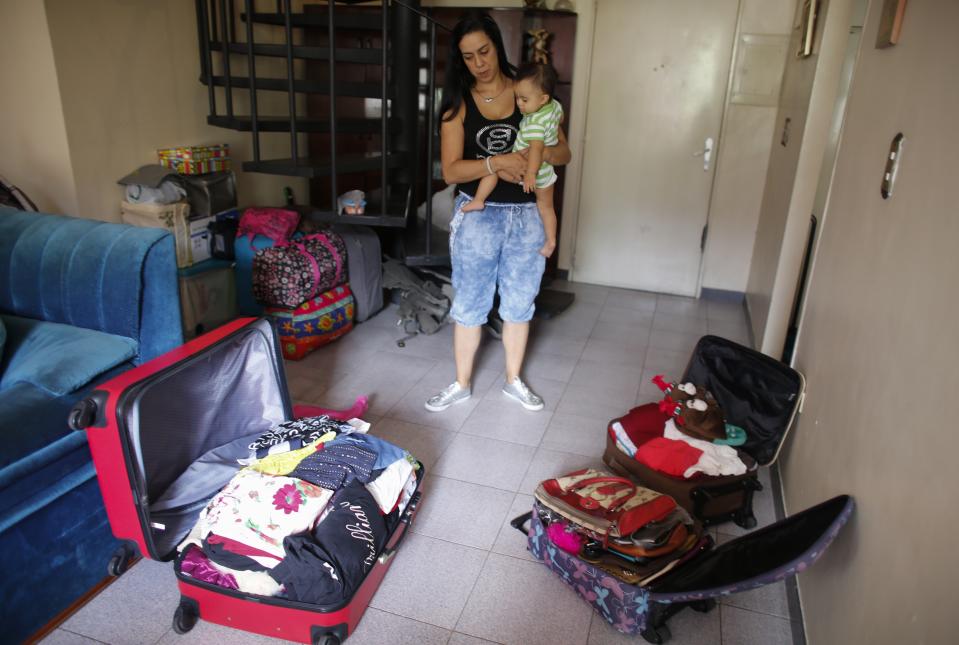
486	186
544	202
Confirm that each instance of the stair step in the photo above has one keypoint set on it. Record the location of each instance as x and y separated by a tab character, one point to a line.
282	124
320	167
362	90
367	21
366	56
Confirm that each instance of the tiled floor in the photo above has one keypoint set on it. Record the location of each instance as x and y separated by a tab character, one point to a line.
464	576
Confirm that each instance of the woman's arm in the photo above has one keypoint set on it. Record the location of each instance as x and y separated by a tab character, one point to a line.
558	155
457	170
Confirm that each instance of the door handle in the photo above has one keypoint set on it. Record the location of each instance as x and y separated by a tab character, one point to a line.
706	152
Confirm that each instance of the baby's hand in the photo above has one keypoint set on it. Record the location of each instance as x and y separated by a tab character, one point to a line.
529	185
548	248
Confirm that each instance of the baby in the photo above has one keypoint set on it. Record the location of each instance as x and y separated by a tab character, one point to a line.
533	86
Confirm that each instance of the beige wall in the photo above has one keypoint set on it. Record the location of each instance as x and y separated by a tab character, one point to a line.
128	76
878	348
34	153
810	88
742	159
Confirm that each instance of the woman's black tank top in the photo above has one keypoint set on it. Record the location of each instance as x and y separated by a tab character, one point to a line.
484	138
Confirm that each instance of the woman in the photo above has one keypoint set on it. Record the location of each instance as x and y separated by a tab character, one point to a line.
498	246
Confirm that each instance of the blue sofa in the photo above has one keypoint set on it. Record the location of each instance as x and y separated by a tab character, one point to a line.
80	302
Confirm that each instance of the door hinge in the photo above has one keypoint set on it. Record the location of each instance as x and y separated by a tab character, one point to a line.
702	241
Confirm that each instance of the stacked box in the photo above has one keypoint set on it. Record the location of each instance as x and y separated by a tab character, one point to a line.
196	160
207	296
192	235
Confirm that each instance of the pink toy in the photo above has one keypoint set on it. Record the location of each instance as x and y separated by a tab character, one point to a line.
561	535
355	412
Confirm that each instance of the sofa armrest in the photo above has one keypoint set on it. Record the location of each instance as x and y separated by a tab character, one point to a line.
114	278
160	327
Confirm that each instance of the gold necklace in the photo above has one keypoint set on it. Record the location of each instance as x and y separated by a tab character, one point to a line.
490	99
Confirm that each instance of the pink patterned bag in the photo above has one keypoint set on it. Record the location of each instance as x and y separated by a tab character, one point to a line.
296	271
278	224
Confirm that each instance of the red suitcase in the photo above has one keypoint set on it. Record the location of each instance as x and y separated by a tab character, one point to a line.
158	424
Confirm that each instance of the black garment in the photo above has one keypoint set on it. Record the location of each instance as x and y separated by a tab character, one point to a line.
222	556
326	566
484	138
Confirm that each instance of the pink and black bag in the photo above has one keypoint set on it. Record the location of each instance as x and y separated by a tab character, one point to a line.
289	274
278	224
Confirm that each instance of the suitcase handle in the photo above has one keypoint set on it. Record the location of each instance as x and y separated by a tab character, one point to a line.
407	519
88	412
518	522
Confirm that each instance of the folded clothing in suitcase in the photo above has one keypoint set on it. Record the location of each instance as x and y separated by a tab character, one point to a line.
694	579
167	439
317	322
758	397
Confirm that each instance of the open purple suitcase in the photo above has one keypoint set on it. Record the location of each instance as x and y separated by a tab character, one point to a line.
762	557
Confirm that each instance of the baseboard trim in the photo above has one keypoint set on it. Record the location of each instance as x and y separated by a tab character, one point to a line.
722	295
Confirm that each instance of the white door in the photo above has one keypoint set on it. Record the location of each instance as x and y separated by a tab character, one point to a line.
656	94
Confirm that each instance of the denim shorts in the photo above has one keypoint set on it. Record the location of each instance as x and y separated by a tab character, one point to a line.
497	247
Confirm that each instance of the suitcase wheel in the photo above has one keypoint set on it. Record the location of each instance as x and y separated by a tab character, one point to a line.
745	519
120	560
704	606
657	635
326	639
184	618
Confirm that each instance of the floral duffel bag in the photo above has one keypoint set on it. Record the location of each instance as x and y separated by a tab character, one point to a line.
294	271
315	323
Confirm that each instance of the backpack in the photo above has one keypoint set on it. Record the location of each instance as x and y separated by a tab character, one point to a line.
10	195
423	308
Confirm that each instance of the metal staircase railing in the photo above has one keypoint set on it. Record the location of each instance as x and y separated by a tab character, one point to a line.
402	32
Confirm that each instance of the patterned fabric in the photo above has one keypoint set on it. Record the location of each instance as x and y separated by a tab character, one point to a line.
315	323
299	431
260	510
278	224
336	465
288	276
283	463
628	607
541	125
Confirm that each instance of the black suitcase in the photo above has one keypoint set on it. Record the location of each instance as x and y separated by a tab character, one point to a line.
365	264
757	393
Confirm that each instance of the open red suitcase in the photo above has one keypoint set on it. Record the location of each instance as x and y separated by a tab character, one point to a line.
182	419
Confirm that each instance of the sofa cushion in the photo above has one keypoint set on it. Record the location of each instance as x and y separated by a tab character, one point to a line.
59	358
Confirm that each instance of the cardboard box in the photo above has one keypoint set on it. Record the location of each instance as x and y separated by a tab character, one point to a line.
192	235
201	245
171	217
207	296
196	160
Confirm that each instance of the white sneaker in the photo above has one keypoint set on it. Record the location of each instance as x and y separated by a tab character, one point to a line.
452	393
521	392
